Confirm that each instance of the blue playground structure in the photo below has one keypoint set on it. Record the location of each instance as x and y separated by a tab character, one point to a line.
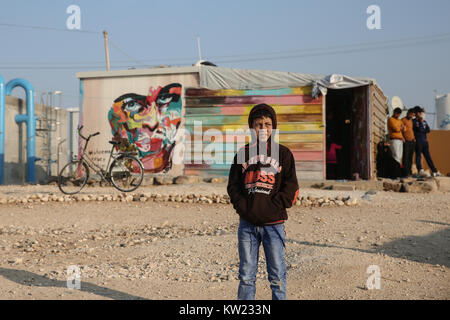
29	119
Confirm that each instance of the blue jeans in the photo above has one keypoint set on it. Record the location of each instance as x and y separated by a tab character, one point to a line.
273	240
423	147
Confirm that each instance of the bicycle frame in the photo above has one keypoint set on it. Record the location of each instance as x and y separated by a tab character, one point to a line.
126	176
103	173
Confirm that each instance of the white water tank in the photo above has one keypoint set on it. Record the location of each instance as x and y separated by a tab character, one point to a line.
443	112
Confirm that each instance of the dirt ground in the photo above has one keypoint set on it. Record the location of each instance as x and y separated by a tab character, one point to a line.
174	250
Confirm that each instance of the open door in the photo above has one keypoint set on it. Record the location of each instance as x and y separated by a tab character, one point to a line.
347	134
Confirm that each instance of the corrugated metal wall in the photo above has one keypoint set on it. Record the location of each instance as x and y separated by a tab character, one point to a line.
299	118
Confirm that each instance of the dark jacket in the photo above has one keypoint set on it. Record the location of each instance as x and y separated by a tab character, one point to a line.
420	130
261	185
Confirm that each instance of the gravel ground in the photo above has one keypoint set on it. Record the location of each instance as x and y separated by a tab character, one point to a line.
171	250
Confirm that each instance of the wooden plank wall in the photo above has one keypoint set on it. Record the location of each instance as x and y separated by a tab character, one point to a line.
299	118
379	106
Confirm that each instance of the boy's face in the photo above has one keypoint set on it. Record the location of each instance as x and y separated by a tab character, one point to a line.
263	127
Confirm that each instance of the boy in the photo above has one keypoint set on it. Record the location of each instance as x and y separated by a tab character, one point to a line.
410	142
395	128
421	129
261	185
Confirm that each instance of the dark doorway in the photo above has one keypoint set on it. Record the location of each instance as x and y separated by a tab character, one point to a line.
347	134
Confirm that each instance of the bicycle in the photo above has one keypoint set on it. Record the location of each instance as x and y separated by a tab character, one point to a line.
126	172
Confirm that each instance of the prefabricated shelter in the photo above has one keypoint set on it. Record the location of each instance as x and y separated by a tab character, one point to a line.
202	99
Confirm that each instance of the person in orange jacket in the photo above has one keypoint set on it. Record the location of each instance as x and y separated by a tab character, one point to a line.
396	128
410	142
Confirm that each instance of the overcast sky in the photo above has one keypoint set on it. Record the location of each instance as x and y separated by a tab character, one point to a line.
252	34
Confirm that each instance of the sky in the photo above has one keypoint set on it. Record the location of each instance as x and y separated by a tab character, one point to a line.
409	56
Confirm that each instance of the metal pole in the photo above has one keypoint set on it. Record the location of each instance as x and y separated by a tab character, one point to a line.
49	136
2	130
105	35
57	163
70	136
199	49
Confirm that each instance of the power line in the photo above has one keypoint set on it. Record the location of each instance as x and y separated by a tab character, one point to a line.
125	54
67	67
383	44
350	48
346	46
46	28
96	63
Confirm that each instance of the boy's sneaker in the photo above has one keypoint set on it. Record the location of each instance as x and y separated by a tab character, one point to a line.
422	173
436	174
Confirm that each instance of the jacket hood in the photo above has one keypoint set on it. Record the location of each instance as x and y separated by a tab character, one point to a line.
265	107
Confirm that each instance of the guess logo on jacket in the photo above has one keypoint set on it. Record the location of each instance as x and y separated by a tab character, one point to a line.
262	187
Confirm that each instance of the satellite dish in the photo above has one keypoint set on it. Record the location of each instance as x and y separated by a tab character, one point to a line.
396	102
205	63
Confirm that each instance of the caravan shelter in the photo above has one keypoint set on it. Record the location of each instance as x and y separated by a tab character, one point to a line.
153	106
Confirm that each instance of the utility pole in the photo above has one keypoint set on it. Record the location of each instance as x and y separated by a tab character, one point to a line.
199	49
105	35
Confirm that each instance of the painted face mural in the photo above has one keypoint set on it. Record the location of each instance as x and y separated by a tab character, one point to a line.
150	123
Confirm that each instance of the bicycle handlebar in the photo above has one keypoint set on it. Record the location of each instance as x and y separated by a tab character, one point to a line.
90	136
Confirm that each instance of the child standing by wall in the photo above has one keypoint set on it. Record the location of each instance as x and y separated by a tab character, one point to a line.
262	184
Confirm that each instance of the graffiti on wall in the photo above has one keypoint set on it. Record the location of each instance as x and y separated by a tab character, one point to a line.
149	123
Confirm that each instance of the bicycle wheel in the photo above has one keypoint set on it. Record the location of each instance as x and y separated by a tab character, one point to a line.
73	177
126	173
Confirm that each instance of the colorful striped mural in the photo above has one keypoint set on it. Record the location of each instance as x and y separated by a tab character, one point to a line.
299	118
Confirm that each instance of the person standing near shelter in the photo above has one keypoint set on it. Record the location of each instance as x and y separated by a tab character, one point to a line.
332	159
396	127
421	129
262	184
410	142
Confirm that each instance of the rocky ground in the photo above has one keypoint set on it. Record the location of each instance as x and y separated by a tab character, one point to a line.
157	244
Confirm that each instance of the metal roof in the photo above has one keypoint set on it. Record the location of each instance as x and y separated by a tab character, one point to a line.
229	78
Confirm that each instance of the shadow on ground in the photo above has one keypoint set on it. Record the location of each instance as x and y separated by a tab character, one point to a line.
433	248
32	279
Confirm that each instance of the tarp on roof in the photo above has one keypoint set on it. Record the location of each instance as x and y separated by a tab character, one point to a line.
216	78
